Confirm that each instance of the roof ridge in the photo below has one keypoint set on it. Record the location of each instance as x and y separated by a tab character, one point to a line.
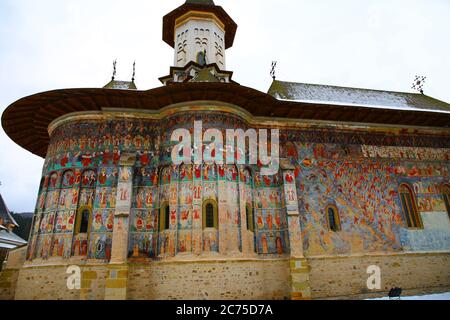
358	88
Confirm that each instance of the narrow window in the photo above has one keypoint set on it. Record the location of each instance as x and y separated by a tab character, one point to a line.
164	217
83	220
409	206
210	218
250	220
334	223
201	58
167	218
446	195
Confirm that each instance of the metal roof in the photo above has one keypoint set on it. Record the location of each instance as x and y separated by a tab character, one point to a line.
10	240
204	2
325	94
124	85
5	214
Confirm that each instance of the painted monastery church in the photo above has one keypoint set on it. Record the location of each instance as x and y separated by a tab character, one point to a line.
363	181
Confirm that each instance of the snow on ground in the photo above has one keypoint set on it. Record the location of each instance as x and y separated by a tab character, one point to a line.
439	296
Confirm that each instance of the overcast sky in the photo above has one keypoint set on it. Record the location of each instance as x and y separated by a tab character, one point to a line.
54	44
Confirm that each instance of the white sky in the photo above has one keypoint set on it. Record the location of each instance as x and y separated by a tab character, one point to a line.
54	44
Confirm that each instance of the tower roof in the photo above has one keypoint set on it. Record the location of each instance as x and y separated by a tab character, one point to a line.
204	2
5	214
207	6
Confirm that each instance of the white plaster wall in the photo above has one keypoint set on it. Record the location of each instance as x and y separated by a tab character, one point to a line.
211	37
435	236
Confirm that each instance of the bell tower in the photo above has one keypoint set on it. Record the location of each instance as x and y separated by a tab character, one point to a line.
200	32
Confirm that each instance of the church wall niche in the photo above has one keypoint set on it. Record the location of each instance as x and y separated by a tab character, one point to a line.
144	222
272	233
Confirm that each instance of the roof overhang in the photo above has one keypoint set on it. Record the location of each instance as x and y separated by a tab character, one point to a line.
170	20
26	121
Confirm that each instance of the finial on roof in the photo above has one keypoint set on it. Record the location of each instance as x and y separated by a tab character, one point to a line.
272	70
114	70
121	85
419	82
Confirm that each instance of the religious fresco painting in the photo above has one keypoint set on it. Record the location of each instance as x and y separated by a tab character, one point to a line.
360	180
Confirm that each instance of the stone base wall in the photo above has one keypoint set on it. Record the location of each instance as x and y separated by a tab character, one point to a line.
346	277
50	282
8	280
329	278
219	280
197	280
10	273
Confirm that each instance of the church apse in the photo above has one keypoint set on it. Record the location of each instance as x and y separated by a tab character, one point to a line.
206	210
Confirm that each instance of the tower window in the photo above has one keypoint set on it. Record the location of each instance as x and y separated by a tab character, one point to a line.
409	206
201	58
334	223
210	214
250	220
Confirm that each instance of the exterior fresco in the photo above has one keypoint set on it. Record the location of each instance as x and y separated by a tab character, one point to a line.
358	173
362	182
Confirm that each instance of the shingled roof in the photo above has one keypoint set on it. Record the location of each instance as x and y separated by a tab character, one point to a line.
325	94
5	214
121	85
204	2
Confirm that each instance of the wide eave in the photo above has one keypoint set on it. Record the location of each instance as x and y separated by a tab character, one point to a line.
26	121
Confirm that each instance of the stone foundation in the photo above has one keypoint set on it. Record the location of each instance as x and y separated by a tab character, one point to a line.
8	280
207	280
323	277
346	276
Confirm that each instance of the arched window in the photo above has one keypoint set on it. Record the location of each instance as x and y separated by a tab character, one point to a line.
446	195
164	217
83	220
201	58
409	206
210	214
334	222
250	218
